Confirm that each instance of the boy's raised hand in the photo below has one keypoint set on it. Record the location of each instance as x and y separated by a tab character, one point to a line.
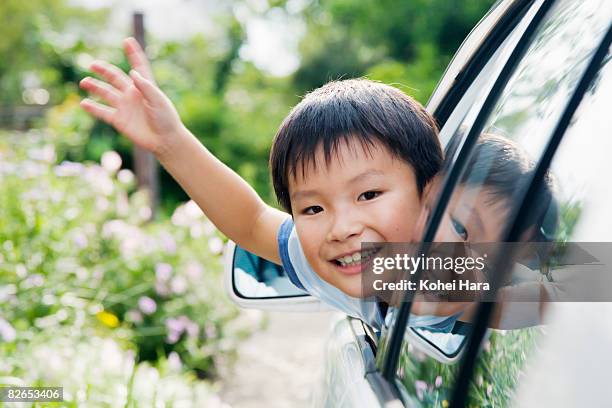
136	107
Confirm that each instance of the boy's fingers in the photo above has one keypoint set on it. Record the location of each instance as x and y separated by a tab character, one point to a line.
137	58
146	87
112	74
101	89
100	111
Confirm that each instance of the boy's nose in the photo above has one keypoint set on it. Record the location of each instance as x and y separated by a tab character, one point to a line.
343	228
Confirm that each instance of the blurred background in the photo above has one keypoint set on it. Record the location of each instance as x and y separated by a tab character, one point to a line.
99	290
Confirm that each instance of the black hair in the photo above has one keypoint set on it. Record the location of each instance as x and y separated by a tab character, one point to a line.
504	169
354	109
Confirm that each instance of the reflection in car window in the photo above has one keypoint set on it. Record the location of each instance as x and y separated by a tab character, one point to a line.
523	120
582	169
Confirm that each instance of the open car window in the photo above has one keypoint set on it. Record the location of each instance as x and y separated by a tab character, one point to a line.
483	203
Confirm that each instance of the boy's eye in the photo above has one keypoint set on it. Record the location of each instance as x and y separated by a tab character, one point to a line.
369	195
459	229
312	210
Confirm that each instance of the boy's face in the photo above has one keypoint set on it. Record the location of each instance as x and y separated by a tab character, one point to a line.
359	197
472	216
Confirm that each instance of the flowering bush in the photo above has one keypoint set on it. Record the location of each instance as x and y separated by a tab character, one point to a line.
100	371
497	371
79	255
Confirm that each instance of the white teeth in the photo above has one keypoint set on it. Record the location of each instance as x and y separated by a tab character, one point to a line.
356	257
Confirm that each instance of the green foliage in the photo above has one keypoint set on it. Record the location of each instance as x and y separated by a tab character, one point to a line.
233	107
347	38
35	49
496	374
79	258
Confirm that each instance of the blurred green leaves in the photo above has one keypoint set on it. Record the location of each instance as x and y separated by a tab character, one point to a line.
230	104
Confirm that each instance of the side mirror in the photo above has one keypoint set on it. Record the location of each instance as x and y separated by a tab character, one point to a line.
256	283
441	346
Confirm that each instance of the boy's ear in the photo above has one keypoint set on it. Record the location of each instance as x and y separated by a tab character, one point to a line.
421	222
430	190
427	199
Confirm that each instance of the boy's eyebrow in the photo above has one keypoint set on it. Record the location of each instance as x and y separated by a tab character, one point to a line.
366	174
478	219
303	194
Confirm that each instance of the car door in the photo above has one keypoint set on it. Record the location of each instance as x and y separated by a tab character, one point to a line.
529	105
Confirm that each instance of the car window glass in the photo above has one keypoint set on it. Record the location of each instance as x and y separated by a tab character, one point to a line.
491	188
582	167
579	174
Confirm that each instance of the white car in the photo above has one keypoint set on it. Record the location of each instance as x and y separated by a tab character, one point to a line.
537	72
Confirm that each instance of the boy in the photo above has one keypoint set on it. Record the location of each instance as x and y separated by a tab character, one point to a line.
349	165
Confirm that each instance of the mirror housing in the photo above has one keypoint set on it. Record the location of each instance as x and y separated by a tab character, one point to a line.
446	348
255	283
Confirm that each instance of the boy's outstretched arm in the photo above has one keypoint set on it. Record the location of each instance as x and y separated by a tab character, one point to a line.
137	108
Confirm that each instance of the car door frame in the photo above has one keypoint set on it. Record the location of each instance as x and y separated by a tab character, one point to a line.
485	310
388	362
381	382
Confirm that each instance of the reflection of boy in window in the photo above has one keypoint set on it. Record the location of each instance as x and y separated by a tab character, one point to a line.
497	176
495	179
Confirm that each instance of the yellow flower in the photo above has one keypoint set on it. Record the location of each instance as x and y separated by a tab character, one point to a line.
445	404
108	319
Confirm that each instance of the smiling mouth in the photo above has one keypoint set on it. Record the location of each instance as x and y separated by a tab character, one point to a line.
355	259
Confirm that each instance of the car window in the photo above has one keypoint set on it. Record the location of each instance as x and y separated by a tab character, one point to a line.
581	168
580	177
489	191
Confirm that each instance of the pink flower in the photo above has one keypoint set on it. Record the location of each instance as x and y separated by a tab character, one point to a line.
125	176
210	330
194	271
162	289
111	161
192	328
175	329
173	337
80	240
215	244
421	387
134	316
177	326
69	169
147	305
178	285
7	332
163	272
174	361
438	381
168	243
